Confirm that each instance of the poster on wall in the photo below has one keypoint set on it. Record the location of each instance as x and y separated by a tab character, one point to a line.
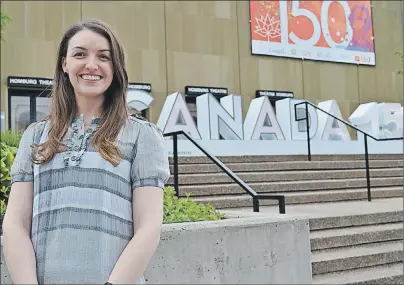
336	31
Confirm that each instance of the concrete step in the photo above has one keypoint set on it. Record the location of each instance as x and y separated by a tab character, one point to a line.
266	158
283	186
339	214
347	219
380	274
286	165
318	196
333	238
359	256
209	178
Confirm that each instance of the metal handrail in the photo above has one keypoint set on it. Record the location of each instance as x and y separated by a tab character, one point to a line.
256	196
366	135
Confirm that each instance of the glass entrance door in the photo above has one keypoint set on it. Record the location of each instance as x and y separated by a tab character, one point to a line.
26	107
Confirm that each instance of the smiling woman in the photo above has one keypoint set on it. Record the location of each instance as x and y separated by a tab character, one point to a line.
86	201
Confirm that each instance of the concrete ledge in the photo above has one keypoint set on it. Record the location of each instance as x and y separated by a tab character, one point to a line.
244	248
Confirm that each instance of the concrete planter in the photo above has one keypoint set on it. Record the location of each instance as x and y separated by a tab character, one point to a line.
244	248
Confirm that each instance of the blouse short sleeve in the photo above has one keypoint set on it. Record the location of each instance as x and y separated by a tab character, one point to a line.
150	166
22	167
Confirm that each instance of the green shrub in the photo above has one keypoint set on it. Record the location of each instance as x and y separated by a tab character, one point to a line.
3	202
6	160
178	210
10	138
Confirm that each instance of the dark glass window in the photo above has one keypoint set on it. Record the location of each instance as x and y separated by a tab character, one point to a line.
26	107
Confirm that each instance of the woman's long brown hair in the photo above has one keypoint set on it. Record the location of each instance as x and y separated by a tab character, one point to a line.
63	102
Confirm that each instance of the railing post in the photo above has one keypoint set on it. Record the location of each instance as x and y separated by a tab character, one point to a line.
282	205
308	132
367	168
256	204
175	150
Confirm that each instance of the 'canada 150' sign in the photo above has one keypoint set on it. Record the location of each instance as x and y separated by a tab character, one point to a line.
224	120
339	31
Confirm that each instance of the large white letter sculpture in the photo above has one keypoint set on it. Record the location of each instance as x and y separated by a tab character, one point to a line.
389	120
328	127
220	119
292	129
384	120
261	122
366	118
138	99
175	116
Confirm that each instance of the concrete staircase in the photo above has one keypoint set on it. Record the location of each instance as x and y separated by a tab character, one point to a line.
358	249
353	241
324	179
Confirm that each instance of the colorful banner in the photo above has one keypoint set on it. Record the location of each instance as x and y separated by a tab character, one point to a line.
337	31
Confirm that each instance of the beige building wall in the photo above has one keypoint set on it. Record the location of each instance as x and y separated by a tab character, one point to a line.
171	44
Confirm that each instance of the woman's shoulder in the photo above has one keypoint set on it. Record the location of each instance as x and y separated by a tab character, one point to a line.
140	125
35	128
137	121
32	134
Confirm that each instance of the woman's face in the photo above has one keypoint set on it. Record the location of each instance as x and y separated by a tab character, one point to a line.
89	64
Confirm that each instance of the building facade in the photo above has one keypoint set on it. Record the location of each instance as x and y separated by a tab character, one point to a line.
173	44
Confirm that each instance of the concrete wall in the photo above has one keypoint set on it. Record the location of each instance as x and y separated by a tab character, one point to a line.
251	249
171	44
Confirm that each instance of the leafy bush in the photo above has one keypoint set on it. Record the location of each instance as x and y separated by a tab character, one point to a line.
3	202
10	138
9	142
177	210
6	160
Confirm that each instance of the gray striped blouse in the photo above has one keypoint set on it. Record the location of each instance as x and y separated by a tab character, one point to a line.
82	211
